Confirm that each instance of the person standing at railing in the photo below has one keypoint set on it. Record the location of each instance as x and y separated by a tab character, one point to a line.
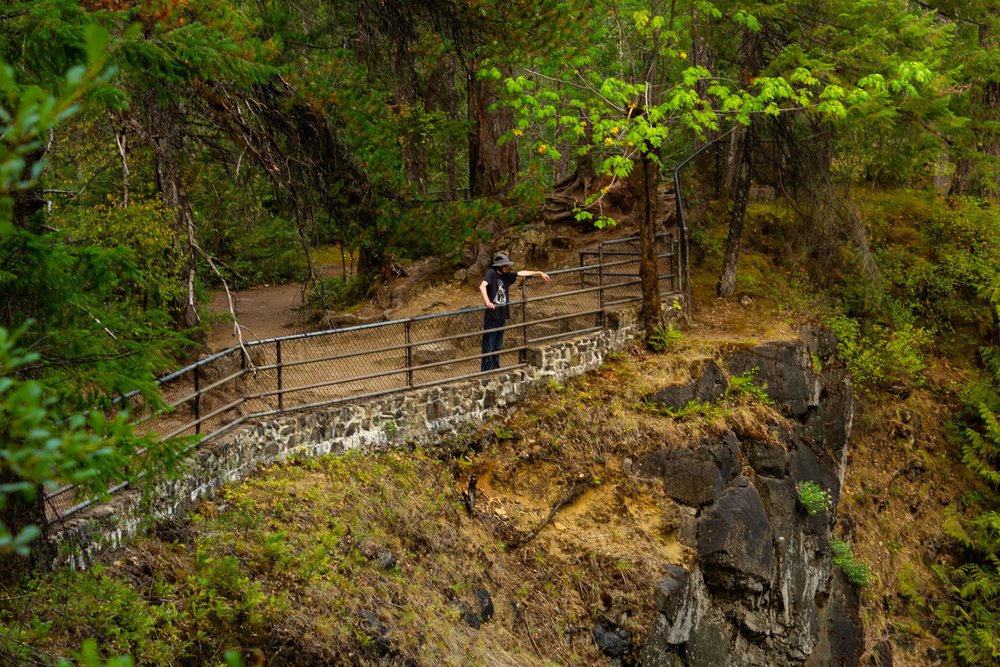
495	289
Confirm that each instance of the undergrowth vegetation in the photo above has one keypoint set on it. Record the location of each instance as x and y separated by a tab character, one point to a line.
940	259
919	337
298	557
857	572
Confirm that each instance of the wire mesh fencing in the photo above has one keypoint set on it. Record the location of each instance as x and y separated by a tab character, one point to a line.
311	370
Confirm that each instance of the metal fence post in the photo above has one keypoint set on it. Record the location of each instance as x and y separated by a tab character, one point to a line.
281	396
523	355
197	401
600	285
409	352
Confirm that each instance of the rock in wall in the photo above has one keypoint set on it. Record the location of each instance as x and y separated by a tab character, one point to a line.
763	590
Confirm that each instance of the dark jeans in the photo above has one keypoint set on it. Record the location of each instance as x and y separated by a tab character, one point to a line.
492	342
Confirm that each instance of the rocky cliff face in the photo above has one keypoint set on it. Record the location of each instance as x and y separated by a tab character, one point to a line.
763	590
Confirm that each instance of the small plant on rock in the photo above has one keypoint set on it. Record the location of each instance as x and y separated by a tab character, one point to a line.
503	433
857	572
813	498
747	385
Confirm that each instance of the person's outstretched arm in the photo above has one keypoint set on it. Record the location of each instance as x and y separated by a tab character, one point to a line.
527	274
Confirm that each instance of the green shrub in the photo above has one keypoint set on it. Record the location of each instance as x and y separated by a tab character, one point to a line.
147	230
879	357
705	244
857	572
663	338
269	252
92	605
335	294
940	270
969	617
813	498
692	410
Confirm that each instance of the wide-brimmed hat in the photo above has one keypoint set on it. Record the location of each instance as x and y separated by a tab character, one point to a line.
501	259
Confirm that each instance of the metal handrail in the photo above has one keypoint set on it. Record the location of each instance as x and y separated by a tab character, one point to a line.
282	363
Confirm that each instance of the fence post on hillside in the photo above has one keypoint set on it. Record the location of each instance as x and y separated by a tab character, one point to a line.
197	401
523	356
600	285
278	366
409	352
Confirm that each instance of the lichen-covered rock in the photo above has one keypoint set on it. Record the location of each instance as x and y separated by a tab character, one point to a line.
711	385
613	641
708	387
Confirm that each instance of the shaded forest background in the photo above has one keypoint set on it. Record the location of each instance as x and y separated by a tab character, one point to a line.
153	151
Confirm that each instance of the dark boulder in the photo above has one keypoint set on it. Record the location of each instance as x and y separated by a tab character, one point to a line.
735	541
711	643
711	386
671	593
385	559
786	369
675	396
484	603
694	476
708	387
763	591
843	625
769	459
373	627
613	641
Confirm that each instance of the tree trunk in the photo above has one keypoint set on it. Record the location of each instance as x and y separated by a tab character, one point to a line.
17	515
415	159
443	94
970	175
644	179
739	195
161	123
492	168
740	165
991	138
707	170
28	203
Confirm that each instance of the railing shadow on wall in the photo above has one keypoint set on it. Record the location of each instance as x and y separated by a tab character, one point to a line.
317	369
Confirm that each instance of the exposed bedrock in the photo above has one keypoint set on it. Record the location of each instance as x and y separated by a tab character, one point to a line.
762	590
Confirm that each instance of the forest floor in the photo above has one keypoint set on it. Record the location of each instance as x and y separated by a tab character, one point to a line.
267	311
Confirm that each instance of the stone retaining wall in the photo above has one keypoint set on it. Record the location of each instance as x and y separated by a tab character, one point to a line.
373	425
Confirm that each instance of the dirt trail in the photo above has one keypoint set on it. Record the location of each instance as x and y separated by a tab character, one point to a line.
264	312
275	310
